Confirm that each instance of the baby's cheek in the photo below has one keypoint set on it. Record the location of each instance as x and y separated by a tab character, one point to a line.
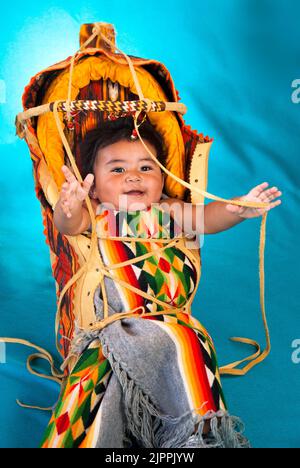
109	188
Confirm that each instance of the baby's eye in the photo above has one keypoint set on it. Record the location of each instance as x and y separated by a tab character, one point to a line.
147	167
118	169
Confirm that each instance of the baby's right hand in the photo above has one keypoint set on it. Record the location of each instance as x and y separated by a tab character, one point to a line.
72	192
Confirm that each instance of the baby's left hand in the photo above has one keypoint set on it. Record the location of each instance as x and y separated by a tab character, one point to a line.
260	193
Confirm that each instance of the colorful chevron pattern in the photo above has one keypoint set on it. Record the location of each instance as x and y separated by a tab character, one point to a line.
169	276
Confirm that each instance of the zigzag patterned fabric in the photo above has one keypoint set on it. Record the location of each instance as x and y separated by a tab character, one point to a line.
170	277
109	106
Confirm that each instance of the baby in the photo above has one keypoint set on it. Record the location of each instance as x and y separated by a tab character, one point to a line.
118	172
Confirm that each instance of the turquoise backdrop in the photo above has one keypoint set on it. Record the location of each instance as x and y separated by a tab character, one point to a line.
235	64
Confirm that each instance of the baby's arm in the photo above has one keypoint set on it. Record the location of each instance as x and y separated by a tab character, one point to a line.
70	216
218	216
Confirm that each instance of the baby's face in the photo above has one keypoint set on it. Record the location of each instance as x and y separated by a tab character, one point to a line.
126	176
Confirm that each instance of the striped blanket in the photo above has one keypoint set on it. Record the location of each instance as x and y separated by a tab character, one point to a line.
148	381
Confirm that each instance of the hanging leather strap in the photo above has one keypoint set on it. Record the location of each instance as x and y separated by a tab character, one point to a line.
42	354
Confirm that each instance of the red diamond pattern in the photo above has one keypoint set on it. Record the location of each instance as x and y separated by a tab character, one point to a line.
62	423
164	265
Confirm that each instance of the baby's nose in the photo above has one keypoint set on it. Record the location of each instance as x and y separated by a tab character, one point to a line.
133	177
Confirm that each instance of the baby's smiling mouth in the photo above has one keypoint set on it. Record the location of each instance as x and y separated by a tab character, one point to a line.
134	192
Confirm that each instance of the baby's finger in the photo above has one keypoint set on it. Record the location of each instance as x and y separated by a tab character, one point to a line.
65	206
65	188
68	174
86	185
74	186
256	191
88	181
82	191
273	204
270	194
66	209
274	195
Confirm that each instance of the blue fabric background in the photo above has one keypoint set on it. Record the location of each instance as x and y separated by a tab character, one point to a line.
233	63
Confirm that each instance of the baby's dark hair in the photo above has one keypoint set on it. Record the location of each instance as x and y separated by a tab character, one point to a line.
113	131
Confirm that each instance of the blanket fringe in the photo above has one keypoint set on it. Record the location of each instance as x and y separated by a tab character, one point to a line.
151	429
225	433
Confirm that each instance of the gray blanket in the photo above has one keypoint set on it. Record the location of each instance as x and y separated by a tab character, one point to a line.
145	402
